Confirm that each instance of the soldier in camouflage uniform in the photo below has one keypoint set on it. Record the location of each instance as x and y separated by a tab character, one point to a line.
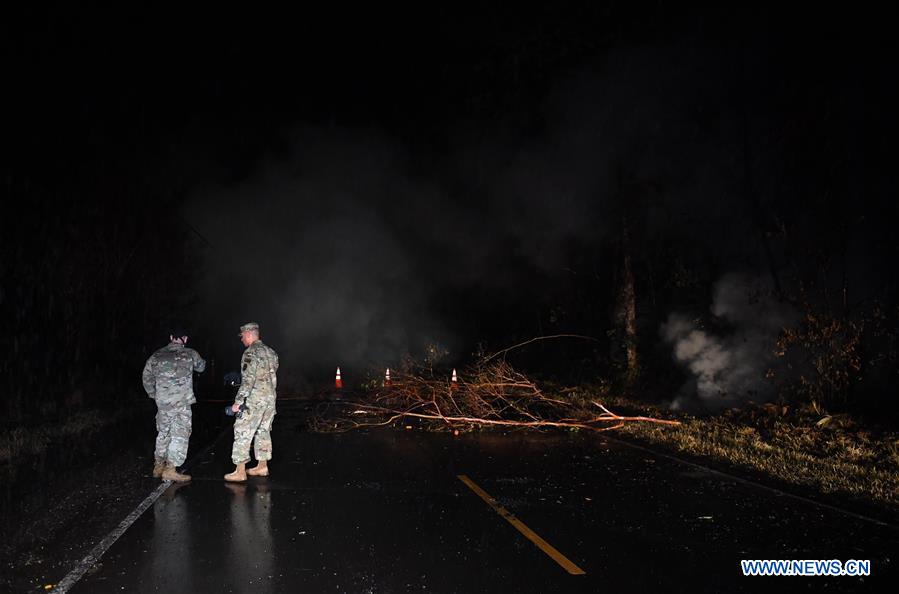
169	380
258	369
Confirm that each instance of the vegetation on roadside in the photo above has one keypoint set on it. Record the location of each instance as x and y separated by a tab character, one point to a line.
834	454
28	441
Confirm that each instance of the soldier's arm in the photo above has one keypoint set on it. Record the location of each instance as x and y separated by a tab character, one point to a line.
247	379
199	363
149	378
275	371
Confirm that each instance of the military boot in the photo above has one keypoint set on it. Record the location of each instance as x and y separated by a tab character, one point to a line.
239	475
158	467
170	473
261	469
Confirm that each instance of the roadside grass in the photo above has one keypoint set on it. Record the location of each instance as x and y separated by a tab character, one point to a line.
28	441
834	454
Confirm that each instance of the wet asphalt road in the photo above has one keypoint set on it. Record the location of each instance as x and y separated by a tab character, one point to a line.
386	511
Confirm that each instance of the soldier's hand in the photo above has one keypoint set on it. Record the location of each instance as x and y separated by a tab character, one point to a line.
235	408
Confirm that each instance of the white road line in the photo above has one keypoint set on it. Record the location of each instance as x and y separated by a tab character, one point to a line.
98	551
94	556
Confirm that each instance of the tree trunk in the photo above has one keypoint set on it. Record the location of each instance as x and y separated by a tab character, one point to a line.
630	309
626	307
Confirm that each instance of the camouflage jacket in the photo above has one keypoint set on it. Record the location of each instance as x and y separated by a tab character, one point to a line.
169	375
258	370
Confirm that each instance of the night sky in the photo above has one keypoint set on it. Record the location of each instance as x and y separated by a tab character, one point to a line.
364	182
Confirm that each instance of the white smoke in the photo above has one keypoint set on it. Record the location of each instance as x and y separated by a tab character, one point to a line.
729	366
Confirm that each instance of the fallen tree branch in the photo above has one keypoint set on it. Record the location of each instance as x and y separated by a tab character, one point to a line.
527	342
496	422
496	396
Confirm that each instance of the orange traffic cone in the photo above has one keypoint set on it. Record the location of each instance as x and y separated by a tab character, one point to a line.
338	383
454	383
387	378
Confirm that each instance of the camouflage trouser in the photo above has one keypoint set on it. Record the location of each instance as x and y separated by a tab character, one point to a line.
173	433
254	425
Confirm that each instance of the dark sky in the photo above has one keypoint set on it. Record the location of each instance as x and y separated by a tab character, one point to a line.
363	182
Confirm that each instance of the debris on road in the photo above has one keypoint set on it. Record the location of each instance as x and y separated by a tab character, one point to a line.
494	395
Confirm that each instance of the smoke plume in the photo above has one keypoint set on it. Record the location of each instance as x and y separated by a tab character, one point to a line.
728	365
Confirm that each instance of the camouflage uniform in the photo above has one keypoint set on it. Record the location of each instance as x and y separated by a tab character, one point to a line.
169	380
259	366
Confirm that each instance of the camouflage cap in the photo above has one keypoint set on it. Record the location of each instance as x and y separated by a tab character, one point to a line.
249	327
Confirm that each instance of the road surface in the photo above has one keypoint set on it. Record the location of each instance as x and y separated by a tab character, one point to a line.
410	511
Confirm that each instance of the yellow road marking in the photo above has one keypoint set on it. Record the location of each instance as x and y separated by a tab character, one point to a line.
547	548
